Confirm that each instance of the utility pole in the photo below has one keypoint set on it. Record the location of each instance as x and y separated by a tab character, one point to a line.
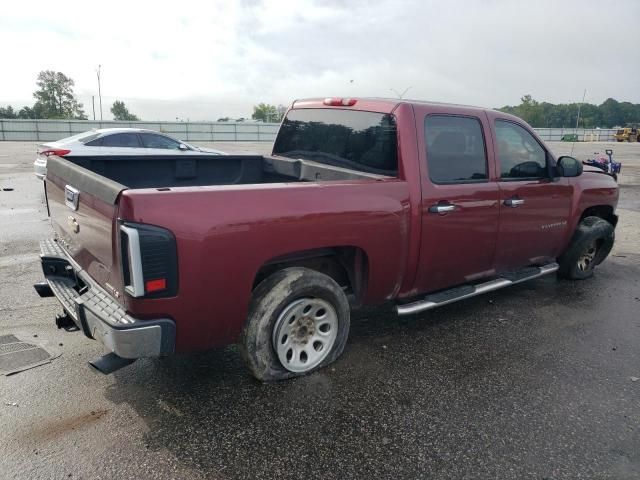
579	107
575	130
93	105
99	92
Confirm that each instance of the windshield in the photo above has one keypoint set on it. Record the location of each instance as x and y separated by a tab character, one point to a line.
363	141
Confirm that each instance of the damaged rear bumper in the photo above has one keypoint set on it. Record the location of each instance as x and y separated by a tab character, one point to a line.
98	314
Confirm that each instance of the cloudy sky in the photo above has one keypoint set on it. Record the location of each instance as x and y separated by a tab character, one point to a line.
204	60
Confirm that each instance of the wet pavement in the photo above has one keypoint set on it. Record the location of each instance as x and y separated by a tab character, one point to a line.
534	381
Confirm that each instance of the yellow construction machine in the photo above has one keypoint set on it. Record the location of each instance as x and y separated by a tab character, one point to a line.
630	134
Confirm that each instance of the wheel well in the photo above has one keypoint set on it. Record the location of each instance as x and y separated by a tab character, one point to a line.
348	266
603	211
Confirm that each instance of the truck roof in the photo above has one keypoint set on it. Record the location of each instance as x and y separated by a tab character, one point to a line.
388	105
378	104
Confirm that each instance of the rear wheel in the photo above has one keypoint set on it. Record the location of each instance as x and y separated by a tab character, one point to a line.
590	245
298	322
585	261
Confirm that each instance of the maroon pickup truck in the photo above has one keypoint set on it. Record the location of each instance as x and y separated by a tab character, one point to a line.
362	202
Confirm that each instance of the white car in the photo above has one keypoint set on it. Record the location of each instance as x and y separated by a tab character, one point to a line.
115	141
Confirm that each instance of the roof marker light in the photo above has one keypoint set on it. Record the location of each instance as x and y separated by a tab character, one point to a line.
339	102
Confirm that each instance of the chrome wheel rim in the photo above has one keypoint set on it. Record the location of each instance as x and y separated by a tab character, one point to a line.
585	262
305	333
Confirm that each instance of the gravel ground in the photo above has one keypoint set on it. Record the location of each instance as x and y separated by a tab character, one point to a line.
535	381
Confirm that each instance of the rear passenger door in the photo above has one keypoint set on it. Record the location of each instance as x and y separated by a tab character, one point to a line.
459	200
534	207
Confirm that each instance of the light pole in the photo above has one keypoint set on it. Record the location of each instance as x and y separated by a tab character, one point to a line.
400	95
99	92
575	130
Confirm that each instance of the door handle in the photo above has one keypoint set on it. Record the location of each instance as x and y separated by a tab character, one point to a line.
514	202
442	208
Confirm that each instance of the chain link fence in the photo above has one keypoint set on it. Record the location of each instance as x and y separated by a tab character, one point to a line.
48	130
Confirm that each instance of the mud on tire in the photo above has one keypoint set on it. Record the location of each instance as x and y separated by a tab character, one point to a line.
579	260
269	300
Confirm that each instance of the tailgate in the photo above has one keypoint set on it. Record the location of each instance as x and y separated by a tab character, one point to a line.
83	208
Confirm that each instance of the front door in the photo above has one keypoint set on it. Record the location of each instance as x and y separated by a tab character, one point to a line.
534	207
459	202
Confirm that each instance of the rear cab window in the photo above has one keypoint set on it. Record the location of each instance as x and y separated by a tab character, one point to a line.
353	139
520	155
456	150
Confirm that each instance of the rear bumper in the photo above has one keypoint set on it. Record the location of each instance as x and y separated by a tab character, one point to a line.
40	167
98	314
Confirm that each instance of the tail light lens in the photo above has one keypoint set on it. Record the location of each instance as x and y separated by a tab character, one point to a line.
149	261
60	152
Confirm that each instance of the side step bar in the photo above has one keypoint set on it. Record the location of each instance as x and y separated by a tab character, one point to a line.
459	293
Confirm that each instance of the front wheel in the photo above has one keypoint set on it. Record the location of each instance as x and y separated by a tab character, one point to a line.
298	322
590	245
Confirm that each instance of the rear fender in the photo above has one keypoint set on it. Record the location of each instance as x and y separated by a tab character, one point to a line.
348	266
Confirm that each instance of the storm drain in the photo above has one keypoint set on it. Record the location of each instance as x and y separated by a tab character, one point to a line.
17	356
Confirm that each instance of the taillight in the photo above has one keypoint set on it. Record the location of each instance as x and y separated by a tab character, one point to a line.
340	102
155	285
149	261
60	152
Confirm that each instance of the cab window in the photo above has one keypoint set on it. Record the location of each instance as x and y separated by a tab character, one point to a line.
455	149
520	156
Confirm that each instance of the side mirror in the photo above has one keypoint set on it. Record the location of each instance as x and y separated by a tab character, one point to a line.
183	147
569	167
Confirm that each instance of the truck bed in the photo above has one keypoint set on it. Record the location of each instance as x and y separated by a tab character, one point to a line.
209	205
125	172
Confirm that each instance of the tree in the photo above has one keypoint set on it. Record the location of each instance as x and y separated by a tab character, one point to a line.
27	113
610	113
266	113
55	97
120	112
8	112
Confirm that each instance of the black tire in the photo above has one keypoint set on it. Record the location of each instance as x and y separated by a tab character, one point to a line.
268	301
591	232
